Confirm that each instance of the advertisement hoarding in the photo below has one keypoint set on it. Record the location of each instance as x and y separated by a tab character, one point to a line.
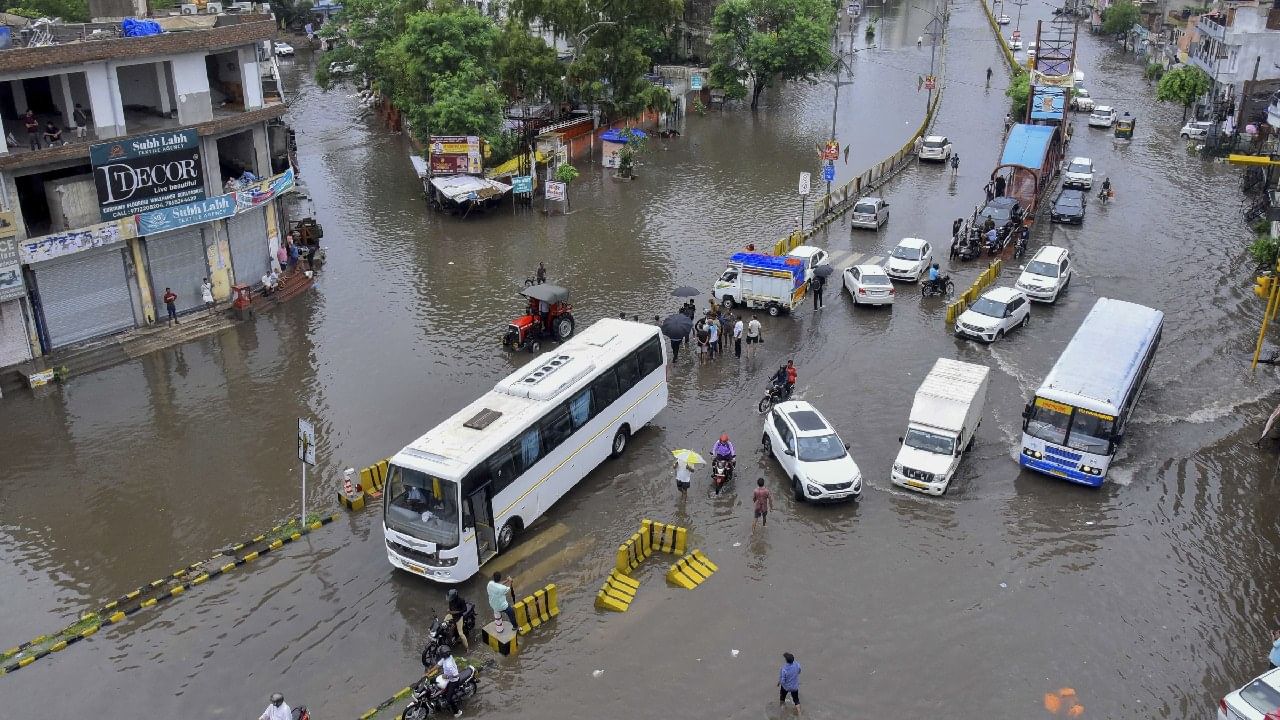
135	175
455	155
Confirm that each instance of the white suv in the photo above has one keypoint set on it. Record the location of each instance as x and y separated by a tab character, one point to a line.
1102	116
997	312
1258	700
935	147
1079	173
816	461
909	260
1047	275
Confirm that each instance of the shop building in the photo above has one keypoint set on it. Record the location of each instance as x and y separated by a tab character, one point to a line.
163	175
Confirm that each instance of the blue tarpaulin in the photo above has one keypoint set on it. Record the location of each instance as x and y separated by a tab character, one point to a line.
134	27
1027	145
789	265
620	136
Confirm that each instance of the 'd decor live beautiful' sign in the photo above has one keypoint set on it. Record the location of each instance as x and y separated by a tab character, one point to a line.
135	175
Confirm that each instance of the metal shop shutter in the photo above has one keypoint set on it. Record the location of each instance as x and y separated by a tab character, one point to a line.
249	252
85	297
176	260
14	345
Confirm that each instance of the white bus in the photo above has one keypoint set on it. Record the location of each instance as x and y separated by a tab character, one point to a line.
1076	419
460	494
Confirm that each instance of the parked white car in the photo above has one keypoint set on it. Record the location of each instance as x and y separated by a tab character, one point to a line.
869	213
1003	19
341	68
1102	116
1081	101
813	456
1195	130
935	147
1047	275
995	314
811	256
1015	44
909	260
1079	173
869	285
282	48
1258	700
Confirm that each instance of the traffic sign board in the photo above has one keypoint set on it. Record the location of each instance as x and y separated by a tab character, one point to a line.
695	82
829	172
306	442
522	184
804	183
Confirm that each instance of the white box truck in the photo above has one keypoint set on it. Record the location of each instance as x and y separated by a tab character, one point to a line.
758	281
944	417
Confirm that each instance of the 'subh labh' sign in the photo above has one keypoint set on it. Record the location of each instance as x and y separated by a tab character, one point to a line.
145	173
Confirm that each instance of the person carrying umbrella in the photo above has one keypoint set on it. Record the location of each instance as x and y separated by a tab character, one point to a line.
686	461
676	327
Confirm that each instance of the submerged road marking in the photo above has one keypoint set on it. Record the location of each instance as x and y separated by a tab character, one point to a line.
529	547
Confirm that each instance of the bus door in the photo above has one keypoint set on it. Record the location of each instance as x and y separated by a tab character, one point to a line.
482	514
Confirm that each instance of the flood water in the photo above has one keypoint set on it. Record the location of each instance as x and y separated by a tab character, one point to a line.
1150	597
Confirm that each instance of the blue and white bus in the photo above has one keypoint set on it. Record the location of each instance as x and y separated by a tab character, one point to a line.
460	494
1072	425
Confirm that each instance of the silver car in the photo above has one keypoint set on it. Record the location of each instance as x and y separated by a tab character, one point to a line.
869	213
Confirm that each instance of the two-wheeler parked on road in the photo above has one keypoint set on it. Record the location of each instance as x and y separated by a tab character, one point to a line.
942	287
427	696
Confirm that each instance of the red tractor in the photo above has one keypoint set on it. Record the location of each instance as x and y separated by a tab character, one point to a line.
548	315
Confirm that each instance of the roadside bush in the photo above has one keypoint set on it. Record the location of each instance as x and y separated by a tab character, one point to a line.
1265	249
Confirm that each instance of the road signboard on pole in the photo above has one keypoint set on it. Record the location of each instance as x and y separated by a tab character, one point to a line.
829	172
555	190
695	82
804	183
522	184
307	454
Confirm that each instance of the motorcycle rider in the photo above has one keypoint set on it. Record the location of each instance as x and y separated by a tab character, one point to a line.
724	450
1106	189
277	710
993	238
785	378
933	276
456	620
449	672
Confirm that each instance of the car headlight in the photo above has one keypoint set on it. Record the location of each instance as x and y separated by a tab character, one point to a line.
1032	453
897	467
1088	470
809	488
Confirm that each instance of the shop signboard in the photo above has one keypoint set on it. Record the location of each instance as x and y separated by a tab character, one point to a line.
215	208
455	155
48	247
11	285
555	190
139	174
522	184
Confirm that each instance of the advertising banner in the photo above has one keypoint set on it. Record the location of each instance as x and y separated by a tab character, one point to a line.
48	247
455	154
135	175
215	208
11	285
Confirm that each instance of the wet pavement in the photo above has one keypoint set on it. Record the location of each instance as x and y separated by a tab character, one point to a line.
1149	597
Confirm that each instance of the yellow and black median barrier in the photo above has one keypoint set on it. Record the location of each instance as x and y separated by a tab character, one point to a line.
691	570
531	611
969	296
157	591
619	588
354	496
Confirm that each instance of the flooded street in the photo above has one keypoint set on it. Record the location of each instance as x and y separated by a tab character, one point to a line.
1150	597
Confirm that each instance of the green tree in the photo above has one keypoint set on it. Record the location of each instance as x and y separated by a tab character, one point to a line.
528	68
1120	17
755	43
1019	92
289	13
1183	85
614	43
68	10
566	173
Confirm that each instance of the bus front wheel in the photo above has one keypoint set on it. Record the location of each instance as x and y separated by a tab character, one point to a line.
506	536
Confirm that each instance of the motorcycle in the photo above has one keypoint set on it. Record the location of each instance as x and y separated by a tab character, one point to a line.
1020	247
444	633
997	246
300	713
968	249
721	471
942	287
775	395
427	696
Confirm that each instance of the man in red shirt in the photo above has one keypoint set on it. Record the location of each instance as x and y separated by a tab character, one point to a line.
170	298
32	125
763	501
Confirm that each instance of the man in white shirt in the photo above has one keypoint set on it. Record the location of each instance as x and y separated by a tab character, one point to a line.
684	478
753	335
449	671
737	336
277	710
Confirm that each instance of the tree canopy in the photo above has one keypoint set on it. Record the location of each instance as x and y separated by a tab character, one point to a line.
68	10
1183	85
1019	92
1119	17
755	43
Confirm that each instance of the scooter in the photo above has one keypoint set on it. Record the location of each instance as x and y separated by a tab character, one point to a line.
942	287
427	696
721	472
443	633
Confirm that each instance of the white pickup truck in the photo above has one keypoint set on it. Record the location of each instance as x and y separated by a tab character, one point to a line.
944	417
769	282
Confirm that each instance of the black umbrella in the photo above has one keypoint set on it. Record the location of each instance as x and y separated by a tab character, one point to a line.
823	270
686	291
677	326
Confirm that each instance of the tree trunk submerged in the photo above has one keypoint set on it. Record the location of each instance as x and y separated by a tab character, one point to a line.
756	89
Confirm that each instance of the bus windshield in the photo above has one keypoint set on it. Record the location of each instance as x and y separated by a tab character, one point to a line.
422	506
1049	421
1091	432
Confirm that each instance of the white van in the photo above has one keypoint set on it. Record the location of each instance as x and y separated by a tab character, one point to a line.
944	417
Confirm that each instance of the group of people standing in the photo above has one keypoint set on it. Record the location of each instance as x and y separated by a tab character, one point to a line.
713	331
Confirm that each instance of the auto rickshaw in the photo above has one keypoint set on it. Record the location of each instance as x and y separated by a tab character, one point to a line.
1124	126
555	321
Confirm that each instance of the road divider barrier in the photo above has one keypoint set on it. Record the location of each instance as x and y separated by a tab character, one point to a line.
618	592
354	496
691	570
155	592
956	308
531	611
619	588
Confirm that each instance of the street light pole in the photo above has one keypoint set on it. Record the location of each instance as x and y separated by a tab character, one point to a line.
841	63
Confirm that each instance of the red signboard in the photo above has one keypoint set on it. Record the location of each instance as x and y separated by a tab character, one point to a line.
455	154
929	83
830	152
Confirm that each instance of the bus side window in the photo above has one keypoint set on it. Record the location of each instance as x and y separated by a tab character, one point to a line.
650	357
530	449
503	467
604	390
628	373
580	409
556	428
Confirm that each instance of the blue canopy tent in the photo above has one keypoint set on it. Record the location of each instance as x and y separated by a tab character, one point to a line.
1031	155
